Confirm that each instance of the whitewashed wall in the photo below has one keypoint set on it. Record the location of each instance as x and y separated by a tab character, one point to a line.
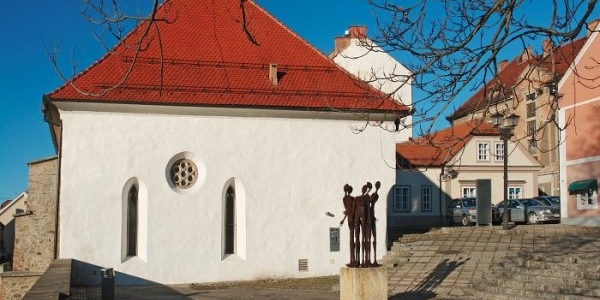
290	173
378	68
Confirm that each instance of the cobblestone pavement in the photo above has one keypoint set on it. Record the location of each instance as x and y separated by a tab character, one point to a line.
440	264
445	262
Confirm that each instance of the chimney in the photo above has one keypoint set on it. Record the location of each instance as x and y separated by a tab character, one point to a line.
526	55
273	74
502	65
353	32
546	47
357	32
592	27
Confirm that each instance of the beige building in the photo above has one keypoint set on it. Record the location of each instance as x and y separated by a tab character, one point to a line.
527	86
445	165
7	225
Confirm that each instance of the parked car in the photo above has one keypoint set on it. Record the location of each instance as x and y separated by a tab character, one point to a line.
462	211
553	201
529	210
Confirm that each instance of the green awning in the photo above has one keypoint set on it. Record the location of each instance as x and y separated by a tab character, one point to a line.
583	185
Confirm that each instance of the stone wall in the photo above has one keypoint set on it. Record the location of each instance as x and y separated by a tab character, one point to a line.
16	284
35	229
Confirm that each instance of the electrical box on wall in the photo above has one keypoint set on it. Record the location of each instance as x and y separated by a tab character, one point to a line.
334	239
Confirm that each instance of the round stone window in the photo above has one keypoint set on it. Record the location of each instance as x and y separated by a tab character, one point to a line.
184	173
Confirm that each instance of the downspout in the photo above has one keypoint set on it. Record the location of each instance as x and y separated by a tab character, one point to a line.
46	107
442	223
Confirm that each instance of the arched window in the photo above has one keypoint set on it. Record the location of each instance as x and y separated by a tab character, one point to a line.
132	221
230	220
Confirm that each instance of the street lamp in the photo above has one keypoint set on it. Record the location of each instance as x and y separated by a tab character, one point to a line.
506	132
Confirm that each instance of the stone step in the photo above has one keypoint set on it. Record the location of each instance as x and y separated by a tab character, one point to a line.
555	262
582	259
499	296
538	285
578	269
591	276
516	292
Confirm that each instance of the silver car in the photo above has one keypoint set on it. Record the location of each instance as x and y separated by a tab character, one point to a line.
529	210
553	201
462	211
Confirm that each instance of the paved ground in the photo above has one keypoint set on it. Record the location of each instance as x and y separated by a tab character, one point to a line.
440	265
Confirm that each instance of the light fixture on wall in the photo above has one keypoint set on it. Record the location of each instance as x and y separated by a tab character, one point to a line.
449	174
329	214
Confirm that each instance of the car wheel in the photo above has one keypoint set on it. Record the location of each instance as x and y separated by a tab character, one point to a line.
464	221
532	218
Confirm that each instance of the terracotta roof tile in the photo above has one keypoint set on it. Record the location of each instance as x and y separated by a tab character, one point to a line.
438	148
510	76
208	60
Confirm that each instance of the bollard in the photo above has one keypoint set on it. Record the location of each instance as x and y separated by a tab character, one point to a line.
108	283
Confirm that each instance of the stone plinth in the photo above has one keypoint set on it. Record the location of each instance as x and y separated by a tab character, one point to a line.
363	283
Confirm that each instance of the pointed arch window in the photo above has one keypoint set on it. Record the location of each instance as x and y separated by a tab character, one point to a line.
132	221
230	220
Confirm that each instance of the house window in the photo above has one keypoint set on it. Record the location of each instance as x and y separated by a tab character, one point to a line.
426	198
531	96
499	151
469	192
132	221
531	110
531	134
402	199
483	150
515	192
587	199
230	220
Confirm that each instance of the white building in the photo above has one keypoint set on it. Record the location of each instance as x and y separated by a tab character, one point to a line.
362	57
221	156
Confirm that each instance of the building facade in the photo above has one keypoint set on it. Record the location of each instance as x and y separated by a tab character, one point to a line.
225	162
446	164
580	151
527	87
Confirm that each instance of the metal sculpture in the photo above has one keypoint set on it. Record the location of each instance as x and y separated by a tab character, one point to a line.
360	212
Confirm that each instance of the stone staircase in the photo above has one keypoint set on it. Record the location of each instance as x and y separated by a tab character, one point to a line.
401	249
539	276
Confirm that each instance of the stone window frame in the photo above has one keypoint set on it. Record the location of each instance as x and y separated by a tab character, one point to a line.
587	199
483	152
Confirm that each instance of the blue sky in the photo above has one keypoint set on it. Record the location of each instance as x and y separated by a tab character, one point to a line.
32	26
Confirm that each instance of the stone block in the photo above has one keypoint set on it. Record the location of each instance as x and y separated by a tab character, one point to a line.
363	283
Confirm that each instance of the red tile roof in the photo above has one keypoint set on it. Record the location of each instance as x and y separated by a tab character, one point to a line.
438	148
510	76
208	59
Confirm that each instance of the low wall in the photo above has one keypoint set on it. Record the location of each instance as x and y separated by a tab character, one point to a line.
14	285
55	283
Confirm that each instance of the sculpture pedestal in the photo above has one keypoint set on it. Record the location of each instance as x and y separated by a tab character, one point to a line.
363	283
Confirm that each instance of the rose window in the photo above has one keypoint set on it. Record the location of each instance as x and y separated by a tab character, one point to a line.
184	173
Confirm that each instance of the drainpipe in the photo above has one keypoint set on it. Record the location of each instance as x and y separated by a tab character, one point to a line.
442	223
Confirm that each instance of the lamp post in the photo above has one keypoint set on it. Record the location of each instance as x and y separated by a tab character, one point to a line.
506	132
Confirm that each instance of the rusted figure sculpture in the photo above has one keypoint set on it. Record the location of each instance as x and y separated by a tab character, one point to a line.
349	214
360	212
